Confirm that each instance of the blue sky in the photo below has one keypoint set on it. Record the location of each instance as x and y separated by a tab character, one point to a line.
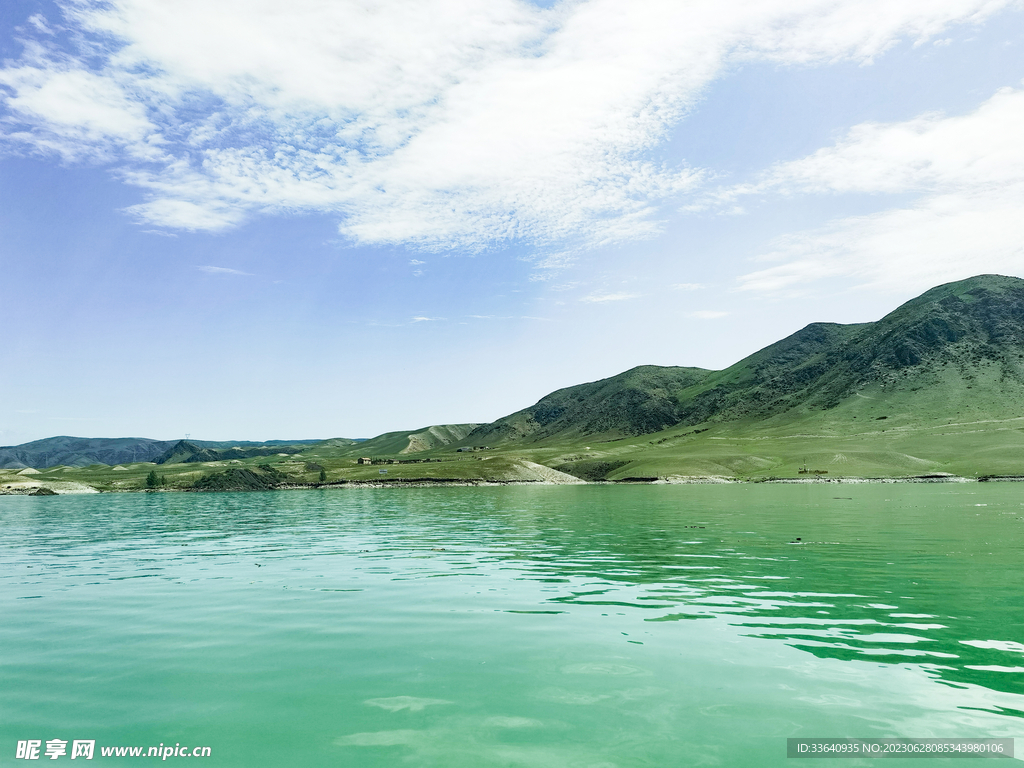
247	220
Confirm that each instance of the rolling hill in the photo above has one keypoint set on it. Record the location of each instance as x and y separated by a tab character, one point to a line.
414	441
187	452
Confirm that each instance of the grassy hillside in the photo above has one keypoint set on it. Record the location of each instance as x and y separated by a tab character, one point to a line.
642	400
891	447
187	452
414	441
937	344
437	436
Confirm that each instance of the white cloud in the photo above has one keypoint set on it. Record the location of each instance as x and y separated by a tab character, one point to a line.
414	262
222	271
77	114
565	286
981	150
438	123
185	214
707	314
944	238
967	174
38	21
598	298
688	286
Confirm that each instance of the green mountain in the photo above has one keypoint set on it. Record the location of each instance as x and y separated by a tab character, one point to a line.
937	346
81	451
957	349
642	400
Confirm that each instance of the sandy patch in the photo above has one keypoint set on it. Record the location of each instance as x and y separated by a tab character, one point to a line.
68	487
534	471
698	479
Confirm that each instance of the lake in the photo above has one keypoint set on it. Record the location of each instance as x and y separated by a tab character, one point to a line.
548	626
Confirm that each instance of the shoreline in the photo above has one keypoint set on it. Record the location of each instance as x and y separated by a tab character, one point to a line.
63	489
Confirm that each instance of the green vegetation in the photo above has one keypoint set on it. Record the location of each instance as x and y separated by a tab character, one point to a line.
261	478
639	401
185	452
937	386
592	471
416	441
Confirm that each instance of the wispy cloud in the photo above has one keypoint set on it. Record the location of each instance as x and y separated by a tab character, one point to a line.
422	319
222	271
38	21
564	286
707	314
415	262
688	286
597	298
436	124
966	173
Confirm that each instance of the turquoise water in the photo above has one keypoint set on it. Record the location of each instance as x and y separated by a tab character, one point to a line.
590	626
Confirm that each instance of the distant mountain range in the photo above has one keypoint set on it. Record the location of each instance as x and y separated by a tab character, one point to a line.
85	451
957	351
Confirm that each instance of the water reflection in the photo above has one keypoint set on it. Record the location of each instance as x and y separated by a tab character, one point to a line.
909	575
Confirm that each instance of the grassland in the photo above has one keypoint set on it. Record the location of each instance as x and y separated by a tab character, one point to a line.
897	446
